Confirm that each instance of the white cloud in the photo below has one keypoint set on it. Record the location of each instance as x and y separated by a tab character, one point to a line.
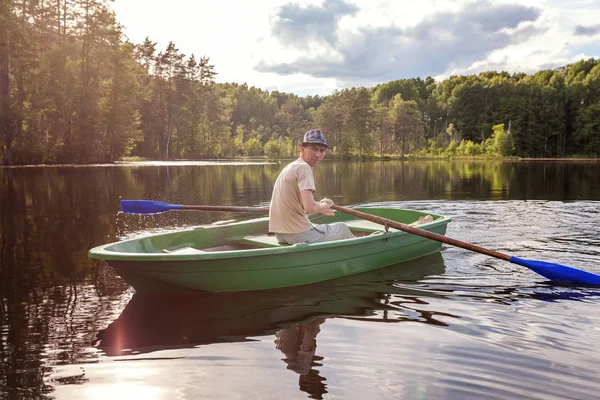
590	30
296	26
316	46
438	42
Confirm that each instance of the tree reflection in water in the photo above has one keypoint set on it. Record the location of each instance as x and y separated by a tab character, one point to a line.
54	300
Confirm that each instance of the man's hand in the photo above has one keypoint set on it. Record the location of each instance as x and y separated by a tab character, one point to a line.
312	207
326	204
327	201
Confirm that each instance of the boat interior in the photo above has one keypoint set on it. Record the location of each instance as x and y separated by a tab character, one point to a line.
252	234
358	227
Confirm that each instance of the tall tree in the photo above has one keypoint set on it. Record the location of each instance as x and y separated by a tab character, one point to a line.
359	123
120	114
407	125
7	123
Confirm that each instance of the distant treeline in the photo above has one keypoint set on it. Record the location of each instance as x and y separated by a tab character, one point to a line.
74	90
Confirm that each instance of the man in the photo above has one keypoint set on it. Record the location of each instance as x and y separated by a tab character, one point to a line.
293	199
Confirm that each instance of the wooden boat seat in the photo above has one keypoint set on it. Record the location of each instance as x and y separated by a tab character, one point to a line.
263	241
358	226
183	250
366	226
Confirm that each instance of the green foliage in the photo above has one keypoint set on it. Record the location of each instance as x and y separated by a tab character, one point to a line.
273	148
406	88
405	121
279	148
252	148
434	148
588	137
450	130
78	91
501	141
468	148
451	149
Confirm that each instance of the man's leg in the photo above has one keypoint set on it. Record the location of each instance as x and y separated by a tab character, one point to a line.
319	234
330	232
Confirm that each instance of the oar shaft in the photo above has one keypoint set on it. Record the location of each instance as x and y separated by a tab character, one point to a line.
551	271
257	210
155	207
421	232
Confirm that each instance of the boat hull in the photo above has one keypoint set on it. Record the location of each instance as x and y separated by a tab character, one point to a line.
155	321
273	266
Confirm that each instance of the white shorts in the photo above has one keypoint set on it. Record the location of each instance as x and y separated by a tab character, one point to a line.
318	234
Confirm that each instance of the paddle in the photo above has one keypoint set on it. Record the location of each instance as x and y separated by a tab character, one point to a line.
154	207
554	272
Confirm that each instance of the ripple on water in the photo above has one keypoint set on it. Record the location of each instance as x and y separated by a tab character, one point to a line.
459	326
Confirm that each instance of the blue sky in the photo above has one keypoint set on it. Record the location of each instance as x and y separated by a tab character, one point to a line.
315	47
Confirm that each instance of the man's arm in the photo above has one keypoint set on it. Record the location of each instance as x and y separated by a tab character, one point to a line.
312	207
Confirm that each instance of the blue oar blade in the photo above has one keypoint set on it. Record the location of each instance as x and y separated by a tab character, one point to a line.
147	206
557	272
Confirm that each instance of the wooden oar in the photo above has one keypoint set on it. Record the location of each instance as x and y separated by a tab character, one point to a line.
554	272
154	207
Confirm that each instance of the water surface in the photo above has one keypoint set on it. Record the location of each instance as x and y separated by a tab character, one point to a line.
455	325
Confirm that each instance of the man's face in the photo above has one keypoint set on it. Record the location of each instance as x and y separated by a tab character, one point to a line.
313	153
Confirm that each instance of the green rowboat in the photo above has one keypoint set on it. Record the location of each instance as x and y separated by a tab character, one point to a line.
242	256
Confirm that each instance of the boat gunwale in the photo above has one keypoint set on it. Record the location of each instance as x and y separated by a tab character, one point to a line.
101	252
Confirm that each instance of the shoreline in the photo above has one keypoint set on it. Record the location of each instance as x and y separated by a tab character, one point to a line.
192	162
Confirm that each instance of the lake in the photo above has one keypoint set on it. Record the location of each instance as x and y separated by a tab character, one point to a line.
455	325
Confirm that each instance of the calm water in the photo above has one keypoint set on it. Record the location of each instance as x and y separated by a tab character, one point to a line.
456	325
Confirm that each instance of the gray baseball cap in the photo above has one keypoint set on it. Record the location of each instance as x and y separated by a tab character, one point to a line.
314	136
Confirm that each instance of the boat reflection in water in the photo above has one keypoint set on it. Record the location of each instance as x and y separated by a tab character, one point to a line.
152	322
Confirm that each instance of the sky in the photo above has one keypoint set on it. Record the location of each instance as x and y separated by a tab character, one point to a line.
312	47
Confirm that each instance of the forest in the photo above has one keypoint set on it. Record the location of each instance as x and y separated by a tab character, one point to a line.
73	89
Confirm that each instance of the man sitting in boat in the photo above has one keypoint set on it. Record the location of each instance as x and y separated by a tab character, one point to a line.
293	199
